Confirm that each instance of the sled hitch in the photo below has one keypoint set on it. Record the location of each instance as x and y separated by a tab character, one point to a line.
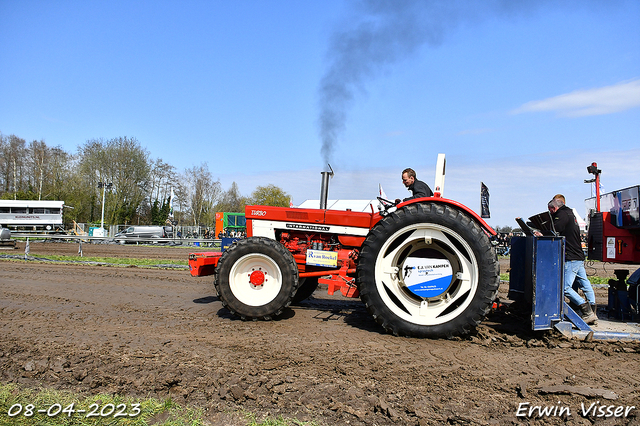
341	281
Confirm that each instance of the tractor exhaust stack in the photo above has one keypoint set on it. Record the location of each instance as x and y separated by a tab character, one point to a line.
324	189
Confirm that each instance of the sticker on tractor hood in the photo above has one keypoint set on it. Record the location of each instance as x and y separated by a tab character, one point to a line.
426	277
307	227
324	258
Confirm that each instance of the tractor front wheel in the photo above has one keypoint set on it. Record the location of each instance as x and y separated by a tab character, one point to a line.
256	278
428	270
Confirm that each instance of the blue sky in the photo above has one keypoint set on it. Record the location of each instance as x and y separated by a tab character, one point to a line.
521	95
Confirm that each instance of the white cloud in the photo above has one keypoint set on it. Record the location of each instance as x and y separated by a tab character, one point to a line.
580	103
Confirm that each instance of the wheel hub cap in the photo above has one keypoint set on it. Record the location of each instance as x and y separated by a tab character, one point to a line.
256	278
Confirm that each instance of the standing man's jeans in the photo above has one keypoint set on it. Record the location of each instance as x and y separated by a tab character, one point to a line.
574	270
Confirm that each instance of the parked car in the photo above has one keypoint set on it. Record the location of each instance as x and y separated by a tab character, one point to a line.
144	234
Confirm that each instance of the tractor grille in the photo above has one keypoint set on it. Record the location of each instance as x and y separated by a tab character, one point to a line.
297	215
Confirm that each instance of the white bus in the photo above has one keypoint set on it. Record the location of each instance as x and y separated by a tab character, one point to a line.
31	215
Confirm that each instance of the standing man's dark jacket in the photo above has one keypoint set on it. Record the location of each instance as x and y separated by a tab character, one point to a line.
566	225
419	190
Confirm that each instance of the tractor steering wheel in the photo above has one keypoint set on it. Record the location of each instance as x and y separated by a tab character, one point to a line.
387	204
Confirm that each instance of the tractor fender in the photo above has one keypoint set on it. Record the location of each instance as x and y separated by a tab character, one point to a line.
460	206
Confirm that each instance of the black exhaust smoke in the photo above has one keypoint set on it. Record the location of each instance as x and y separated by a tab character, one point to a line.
387	32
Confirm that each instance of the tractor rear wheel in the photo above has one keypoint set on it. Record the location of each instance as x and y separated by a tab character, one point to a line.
428	270
256	278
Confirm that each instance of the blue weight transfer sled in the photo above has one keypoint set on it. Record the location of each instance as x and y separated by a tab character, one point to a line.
536	279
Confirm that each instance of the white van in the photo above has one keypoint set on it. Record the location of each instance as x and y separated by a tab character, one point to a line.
143	233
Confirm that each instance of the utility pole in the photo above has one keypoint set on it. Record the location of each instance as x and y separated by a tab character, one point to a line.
593	170
104	186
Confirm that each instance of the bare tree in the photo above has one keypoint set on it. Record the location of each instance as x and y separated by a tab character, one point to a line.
232	200
181	199
38	154
162	177
4	175
203	194
60	171
12	166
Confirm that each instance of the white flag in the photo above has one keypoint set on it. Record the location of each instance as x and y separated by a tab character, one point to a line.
381	192
171	204
593	189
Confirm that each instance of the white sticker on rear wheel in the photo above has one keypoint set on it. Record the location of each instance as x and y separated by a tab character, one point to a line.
427	277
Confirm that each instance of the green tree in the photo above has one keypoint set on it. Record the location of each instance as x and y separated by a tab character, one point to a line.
123	163
160	213
270	195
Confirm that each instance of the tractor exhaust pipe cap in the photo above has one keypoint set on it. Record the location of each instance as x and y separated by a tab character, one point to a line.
324	189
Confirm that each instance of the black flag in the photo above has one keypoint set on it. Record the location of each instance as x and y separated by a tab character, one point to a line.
484	201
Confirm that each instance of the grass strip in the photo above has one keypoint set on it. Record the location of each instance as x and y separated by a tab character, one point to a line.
45	407
111	260
279	421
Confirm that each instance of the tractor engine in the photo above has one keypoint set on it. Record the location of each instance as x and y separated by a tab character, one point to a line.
299	243
305	247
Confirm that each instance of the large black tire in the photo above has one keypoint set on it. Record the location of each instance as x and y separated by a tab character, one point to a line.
411	241
305	289
256	278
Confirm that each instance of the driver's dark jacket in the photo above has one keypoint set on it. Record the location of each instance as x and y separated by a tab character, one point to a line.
566	225
419	190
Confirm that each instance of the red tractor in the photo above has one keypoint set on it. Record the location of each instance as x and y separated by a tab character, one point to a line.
423	268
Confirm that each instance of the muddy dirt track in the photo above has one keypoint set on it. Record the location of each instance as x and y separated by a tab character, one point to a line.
160	332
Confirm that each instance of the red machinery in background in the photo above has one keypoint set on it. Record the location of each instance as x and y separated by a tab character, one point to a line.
614	236
614	223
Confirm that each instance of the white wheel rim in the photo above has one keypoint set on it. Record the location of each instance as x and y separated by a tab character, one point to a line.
255	295
410	307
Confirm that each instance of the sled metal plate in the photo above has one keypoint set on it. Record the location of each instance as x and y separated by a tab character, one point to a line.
536	278
547	281
519	271
575	318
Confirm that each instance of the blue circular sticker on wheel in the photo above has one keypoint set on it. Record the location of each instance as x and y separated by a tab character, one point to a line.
427	277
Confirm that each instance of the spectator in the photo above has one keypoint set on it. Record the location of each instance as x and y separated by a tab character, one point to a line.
566	225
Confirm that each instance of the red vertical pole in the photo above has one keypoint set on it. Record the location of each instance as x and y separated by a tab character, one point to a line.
595	166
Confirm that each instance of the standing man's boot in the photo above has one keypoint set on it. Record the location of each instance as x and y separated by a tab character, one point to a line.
587	314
